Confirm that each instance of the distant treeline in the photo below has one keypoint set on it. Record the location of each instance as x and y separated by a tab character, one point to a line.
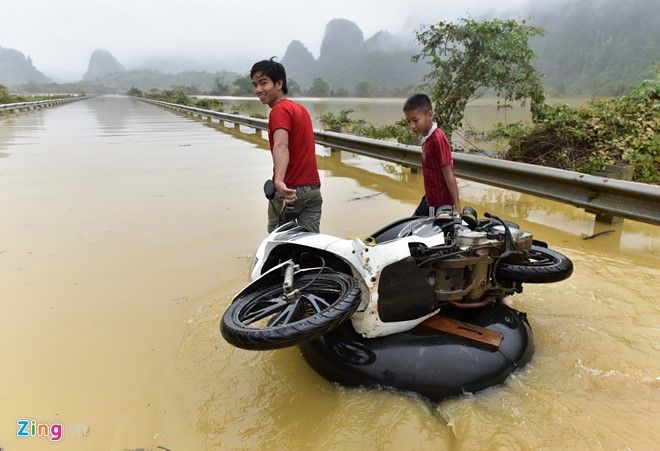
7	97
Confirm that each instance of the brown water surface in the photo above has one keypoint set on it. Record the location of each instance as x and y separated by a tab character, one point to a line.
126	229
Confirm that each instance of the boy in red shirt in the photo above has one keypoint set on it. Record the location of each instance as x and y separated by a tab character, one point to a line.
291	136
440	186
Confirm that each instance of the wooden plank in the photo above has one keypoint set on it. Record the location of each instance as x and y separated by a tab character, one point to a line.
490	338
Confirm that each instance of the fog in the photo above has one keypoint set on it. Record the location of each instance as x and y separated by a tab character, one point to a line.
60	35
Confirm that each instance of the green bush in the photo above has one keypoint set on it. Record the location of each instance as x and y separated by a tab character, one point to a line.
343	123
620	131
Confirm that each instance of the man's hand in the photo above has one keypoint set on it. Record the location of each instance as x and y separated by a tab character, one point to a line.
288	194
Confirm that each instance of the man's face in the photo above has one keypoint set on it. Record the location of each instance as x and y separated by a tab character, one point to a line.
420	121
267	91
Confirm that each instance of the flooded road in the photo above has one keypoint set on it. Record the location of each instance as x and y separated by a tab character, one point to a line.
126	229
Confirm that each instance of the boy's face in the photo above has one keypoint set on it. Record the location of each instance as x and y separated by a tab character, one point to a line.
420	121
267	91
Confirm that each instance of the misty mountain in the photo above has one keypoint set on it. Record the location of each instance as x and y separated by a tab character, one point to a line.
346	59
146	79
102	63
299	63
597	47
16	69
143	79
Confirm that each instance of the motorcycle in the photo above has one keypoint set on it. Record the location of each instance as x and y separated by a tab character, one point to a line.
304	285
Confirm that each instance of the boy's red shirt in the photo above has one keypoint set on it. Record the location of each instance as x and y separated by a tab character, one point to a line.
436	153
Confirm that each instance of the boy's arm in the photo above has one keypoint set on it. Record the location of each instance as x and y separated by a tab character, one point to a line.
450	180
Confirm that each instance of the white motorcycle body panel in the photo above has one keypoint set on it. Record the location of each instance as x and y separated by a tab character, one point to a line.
366	262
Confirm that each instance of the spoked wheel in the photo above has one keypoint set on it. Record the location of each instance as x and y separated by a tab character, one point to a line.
538	265
266	319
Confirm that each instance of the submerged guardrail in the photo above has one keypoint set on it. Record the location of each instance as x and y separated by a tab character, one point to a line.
599	195
37	104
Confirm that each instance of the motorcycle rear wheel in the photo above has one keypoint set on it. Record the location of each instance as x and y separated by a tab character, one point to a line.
538	265
265	319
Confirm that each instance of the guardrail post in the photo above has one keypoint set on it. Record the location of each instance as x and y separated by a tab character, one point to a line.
335	154
613	172
257	132
237	126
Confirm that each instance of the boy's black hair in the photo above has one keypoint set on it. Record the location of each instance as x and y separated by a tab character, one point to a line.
271	69
417	102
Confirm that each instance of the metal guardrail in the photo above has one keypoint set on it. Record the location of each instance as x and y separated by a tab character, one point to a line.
600	195
18	106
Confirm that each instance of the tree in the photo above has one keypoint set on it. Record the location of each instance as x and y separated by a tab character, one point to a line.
134	92
472	57
243	86
294	87
5	95
363	89
219	88
319	88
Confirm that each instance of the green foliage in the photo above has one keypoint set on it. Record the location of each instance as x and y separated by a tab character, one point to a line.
7	97
134	92
208	104
178	96
343	123
340	123
472	57
319	88
606	131
364	89
341	92
190	90
294	87
243	86
219	88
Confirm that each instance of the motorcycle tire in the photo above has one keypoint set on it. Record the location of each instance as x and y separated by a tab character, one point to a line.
325	300
538	265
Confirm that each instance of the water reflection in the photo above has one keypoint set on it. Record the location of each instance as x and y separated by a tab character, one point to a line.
14	125
111	113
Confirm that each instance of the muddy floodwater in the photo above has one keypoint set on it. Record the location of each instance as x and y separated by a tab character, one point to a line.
125	229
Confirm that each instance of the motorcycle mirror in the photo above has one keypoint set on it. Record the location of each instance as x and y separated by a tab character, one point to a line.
269	189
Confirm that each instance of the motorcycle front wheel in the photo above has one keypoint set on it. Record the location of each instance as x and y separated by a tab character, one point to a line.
538	265
266	319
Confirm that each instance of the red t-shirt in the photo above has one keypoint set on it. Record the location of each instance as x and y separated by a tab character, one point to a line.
295	119
436	153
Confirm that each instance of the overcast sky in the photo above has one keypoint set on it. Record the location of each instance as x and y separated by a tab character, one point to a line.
60	35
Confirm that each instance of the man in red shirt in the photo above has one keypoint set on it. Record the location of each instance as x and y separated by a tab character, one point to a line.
291	136
440	187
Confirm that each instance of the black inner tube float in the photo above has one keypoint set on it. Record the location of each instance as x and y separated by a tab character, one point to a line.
435	364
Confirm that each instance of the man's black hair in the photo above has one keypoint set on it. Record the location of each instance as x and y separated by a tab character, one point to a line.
271	69
417	102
